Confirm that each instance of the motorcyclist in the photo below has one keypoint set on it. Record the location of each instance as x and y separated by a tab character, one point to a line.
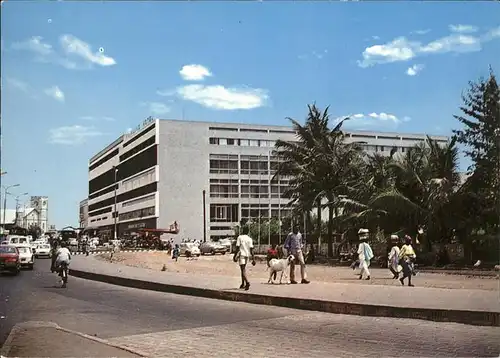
63	257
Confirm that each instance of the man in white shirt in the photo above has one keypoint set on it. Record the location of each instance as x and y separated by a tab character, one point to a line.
63	255
243	254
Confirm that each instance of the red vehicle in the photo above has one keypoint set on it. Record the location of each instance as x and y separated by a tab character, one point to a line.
9	259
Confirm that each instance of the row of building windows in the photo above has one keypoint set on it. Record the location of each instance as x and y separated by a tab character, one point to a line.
139	180
138	201
132	194
137	214
270	143
242	142
229	212
142	161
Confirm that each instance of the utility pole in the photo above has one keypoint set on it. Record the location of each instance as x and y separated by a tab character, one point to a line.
204	217
115	214
5	193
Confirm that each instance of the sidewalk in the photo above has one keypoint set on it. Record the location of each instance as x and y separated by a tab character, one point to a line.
477	307
46	339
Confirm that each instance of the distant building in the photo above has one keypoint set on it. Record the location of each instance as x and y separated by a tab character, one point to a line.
8	219
157	174
41	205
83	213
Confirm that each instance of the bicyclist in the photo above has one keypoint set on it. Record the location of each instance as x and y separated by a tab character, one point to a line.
63	257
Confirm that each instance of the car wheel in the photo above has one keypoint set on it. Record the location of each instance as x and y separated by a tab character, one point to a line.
223	252
212	252
31	267
16	272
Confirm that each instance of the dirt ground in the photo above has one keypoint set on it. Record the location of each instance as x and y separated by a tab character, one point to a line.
222	265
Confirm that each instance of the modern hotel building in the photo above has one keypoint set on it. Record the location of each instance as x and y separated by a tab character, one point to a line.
160	171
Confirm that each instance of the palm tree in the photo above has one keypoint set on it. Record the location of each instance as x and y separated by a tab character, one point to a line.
321	166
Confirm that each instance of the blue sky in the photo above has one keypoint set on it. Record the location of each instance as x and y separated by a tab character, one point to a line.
76	75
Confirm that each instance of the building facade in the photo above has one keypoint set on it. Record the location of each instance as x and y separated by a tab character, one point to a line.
83	214
157	175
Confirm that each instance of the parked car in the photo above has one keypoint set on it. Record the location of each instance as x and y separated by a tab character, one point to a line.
189	249
9	259
212	248
26	256
43	250
228	243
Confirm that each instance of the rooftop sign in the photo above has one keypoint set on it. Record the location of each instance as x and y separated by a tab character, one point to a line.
144	123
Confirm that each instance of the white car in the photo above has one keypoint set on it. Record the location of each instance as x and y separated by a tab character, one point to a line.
189	249
43	250
26	256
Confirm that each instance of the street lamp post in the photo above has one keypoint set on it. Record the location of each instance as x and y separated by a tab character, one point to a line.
115	216
6	189
17	207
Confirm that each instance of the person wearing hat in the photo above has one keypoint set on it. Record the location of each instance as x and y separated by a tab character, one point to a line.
407	256
365	253
393	259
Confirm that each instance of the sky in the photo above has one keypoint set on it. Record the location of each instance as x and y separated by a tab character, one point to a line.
76	75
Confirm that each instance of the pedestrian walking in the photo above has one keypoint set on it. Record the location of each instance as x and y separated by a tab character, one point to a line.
365	253
176	253
393	258
294	246
243	255
407	258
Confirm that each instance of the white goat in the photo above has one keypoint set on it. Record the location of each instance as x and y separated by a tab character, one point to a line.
276	266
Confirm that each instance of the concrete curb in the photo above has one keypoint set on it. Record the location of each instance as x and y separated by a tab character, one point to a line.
476	318
4	352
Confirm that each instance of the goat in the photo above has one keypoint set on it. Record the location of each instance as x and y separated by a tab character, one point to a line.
280	265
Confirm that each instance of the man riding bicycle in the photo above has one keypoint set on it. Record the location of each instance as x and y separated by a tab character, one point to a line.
63	259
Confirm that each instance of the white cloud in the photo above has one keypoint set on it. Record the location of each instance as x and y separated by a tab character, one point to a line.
72	135
194	72
421	32
156	108
76	54
74	46
401	49
220	97
98	118
373	120
56	93
414	70
463	28
17	84
166	93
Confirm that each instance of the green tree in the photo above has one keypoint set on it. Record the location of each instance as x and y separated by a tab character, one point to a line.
481	137
35	231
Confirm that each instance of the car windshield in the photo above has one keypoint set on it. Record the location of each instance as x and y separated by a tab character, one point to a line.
7	250
23	250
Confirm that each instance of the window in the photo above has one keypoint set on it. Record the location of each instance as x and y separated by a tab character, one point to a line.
213	140
136	214
221	228
254	191
223	129
253	130
101	211
254	165
254	143
138	201
244	142
143	190
102	181
145	160
224	190
104	191
139	180
230	141
224	213
222	141
223	164
138	148
108	157
143	133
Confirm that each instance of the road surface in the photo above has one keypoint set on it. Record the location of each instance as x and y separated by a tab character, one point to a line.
161	324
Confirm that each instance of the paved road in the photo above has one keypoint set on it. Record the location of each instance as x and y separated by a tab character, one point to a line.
168	325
